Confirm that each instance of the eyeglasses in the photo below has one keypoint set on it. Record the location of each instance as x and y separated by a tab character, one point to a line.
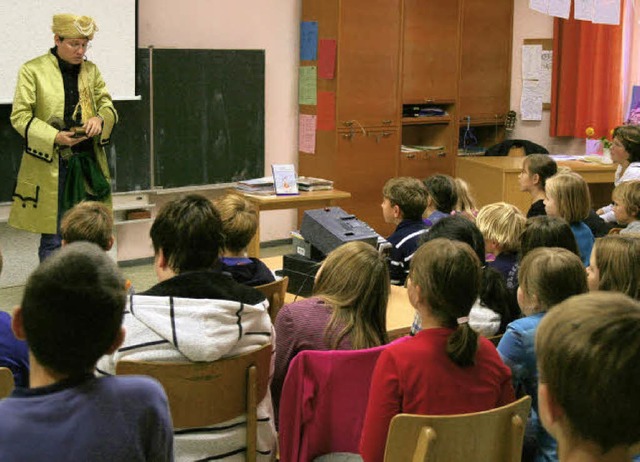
75	45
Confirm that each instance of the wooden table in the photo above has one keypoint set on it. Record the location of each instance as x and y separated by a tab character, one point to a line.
311	199
495	179
400	313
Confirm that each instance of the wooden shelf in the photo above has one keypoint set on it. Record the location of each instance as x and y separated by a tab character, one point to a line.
483	120
426	120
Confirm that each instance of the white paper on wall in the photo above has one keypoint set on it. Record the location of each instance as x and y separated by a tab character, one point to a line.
546	60
560	8
531	101
539	5
531	61
606	12
583	10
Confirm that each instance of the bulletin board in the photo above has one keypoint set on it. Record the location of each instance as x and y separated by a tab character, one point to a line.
547	45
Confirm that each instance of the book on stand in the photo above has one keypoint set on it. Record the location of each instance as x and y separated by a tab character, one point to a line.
284	179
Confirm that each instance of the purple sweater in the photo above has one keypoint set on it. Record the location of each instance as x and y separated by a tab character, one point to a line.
299	326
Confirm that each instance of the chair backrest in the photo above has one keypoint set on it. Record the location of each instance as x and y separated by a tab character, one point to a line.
494	435
495	339
207	393
275	293
6	382
615	231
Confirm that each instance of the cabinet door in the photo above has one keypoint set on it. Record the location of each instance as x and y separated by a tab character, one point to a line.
363	163
368	63
430	64
485	72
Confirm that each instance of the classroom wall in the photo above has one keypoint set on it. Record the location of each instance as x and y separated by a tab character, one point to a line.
529	24
242	24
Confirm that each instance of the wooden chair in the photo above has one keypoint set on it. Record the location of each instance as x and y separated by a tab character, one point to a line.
275	293
202	394
614	231
6	382
494	435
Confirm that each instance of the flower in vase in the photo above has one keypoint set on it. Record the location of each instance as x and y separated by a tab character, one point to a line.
590	132
606	144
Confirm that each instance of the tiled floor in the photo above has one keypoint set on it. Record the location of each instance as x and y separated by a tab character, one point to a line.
141	276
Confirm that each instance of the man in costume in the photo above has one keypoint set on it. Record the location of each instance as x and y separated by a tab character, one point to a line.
65	114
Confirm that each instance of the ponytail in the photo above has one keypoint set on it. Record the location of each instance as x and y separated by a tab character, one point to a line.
462	345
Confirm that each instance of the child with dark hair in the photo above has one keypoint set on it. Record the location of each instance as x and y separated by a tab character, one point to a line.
547	276
546	231
13	352
197	313
239	225
492	311
442	198
446	368
404	200
588	351
71	314
536	170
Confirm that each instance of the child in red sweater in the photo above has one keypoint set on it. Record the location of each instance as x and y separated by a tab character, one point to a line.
445	368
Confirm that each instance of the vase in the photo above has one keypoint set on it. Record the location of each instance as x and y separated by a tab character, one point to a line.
606	155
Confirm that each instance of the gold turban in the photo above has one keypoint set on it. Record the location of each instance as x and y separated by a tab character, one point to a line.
72	26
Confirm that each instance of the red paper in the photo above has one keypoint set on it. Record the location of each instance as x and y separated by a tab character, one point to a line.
327	59
326	110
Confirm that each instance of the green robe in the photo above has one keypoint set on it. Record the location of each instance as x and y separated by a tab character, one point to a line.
39	98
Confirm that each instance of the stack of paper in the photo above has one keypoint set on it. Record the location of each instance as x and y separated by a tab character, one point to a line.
259	186
308	183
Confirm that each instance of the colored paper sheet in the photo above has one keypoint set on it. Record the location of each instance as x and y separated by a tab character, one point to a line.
583	10
606	12
541	6
560	8
308	40
308	85
307	133
531	61
326	110
327	59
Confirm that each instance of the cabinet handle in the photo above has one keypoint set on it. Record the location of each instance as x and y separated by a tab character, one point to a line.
347	123
410	155
386	122
428	100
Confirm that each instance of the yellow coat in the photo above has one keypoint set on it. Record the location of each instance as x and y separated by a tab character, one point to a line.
39	98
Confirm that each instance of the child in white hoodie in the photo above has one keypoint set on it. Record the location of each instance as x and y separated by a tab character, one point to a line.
197	313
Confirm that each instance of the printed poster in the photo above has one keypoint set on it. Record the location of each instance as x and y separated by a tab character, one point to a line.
606	12
308	85
307	133
531	101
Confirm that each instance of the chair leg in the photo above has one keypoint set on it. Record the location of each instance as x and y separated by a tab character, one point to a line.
252	417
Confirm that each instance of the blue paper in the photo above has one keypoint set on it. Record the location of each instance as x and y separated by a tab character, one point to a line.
308	40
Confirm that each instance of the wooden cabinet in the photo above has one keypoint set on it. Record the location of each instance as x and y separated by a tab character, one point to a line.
451	54
485	61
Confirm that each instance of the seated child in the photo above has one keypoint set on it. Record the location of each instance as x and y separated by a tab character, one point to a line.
239	225
625	151
347	311
546	231
588	351
442	198
445	368
615	265
90	221
536	169
568	197
466	204
404	201
491	312
547	276
197	313
71	314
501	224
626	206
13	352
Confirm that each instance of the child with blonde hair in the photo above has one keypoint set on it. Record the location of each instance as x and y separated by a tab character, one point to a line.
615	265
588	350
501	224
347	311
568	197
89	221
626	206
536	169
445	368
466	203
547	276
239	225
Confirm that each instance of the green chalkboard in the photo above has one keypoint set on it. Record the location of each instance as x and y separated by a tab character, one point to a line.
208	116
208	119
